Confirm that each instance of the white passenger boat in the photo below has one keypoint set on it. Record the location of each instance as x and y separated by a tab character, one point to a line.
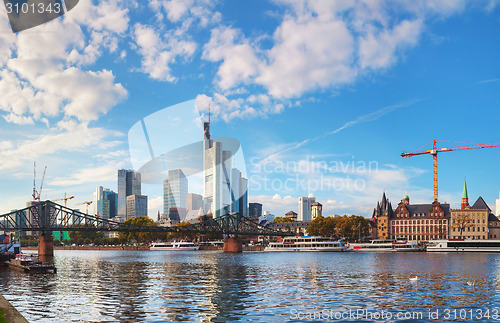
386	245
461	245
174	246
306	243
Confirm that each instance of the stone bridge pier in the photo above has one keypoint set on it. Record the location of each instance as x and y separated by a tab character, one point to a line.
46	245
232	245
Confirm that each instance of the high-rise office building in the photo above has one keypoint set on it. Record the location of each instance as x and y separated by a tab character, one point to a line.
106	203
129	183
216	166
243	204
254	210
137	205
235	190
305	208
194	202
175	190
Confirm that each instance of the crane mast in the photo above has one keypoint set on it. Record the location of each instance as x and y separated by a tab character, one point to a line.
434	152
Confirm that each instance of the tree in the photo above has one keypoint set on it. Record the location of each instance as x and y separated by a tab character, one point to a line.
280	219
85	236
139	237
461	222
181	235
346	226
315	226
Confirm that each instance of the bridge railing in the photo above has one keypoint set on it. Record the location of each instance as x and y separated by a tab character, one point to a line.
49	216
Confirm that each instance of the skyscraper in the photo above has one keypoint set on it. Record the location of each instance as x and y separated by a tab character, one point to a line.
243	204
194	202
254	210
129	183
305	208
175	189
106	203
235	190
216	166
137	205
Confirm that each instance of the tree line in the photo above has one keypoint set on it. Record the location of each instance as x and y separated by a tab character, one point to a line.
352	227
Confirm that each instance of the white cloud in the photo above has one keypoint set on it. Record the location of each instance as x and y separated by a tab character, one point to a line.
67	136
158	52
14	118
155	204
44	76
93	174
186	11
89	94
239	62
302	58
379	50
320	45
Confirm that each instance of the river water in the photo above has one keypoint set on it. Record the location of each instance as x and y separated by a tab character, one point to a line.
209	286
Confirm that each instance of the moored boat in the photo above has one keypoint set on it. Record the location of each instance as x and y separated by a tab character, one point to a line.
8	248
462	245
385	245
306	243
174	246
30	263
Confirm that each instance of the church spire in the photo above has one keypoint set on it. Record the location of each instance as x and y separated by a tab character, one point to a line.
465	197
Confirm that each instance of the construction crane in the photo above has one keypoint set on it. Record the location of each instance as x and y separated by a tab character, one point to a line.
36	194
65	199
87	203
434	151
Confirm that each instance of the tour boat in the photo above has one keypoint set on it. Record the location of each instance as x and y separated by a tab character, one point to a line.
387	245
462	245
306	243
176	245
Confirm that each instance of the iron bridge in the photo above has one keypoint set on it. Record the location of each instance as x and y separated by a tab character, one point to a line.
48	216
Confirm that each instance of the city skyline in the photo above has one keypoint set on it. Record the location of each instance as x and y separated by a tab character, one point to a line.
368	81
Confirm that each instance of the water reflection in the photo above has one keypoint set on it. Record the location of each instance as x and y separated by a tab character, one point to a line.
150	286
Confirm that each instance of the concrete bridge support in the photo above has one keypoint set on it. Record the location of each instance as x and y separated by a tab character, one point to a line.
46	245
232	245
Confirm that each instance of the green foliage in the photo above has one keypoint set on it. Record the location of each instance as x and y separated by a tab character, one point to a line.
85	237
66	242
140	237
2	317
350	227
29	241
181	235
280	219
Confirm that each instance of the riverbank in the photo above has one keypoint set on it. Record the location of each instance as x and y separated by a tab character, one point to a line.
8	313
245	248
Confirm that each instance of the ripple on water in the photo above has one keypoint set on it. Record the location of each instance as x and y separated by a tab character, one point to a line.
145	286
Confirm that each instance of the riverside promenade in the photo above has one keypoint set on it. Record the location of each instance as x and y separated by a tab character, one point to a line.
8	313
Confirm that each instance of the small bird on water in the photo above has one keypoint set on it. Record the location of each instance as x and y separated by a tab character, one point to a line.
470	283
414	279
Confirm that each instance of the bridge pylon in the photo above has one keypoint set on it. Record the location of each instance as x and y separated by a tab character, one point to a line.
232	245
46	244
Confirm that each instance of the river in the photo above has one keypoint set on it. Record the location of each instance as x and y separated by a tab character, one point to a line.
209	286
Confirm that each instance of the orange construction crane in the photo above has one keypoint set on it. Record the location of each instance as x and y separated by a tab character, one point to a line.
65	199
434	151
86	203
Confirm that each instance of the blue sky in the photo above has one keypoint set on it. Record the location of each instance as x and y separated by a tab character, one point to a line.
309	88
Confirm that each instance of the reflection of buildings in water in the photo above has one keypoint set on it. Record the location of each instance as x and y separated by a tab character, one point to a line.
118	289
229	287
202	287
